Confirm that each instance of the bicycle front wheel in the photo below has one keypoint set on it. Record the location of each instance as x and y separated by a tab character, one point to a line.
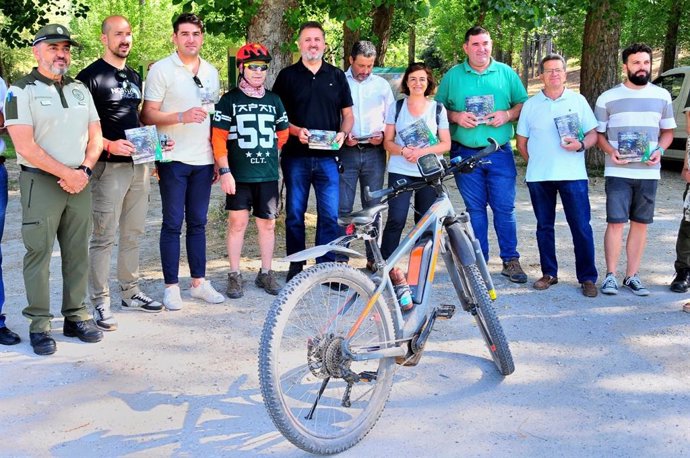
318	397
488	323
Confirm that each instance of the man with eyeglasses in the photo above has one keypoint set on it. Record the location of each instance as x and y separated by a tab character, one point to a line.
55	129
119	187
483	98
249	128
317	97
363	156
556	126
177	88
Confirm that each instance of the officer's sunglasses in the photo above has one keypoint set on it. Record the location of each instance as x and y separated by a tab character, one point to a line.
257	67
197	81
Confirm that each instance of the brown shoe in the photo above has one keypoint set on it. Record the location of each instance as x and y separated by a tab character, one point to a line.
544	282
589	289
513	271
268	282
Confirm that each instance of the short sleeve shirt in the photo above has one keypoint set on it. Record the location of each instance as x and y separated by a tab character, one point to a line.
252	124
397	163
59	114
647	110
498	80
371	99
313	101
548	160
170	82
117	96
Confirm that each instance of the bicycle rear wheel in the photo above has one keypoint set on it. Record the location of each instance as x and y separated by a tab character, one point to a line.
488	323
303	371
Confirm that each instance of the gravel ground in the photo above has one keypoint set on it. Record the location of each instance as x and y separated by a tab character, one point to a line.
594	377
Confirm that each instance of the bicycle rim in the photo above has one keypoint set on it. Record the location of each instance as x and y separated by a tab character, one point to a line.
301	347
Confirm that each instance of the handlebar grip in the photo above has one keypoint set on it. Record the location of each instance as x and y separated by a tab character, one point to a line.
369	195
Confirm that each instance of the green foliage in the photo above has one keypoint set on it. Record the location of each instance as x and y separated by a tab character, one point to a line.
21	19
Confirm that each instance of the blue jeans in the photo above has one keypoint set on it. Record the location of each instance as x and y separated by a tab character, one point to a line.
300	173
398	209
575	199
185	195
492	184
3	208
366	164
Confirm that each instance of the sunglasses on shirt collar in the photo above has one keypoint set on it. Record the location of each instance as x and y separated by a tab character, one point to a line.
197	81
121	77
257	67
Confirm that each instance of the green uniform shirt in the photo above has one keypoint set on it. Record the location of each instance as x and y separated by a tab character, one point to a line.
463	81
252	124
59	114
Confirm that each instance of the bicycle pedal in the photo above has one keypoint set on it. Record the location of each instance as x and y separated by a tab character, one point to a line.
445	311
367	376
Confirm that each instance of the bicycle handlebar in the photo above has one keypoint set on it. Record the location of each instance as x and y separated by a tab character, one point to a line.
457	166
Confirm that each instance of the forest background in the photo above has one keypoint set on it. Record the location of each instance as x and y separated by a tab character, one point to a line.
589	33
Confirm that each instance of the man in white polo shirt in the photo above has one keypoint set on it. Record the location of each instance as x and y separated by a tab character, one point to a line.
176	89
556	126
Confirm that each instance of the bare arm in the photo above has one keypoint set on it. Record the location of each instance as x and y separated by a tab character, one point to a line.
521	143
348	120
151	114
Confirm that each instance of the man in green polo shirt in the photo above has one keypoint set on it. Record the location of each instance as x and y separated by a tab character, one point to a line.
483	98
56	131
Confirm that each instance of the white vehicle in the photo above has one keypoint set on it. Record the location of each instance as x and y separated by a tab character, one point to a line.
677	82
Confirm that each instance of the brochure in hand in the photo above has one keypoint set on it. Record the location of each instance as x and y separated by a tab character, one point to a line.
323	139
480	106
633	146
569	126
418	135
145	140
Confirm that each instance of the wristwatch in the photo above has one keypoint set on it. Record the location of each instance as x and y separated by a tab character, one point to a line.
582	146
86	170
223	170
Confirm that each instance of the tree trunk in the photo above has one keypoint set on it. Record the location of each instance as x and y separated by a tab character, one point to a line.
269	28
671	43
525	58
349	39
540	41
381	28
600	69
411	43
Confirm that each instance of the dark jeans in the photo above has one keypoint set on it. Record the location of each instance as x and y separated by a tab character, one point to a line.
366	163
398	209
575	198
185	195
300	173
3	208
683	241
494	185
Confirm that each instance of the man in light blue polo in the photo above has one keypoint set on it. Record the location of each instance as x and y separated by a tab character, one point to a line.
483	97
556	126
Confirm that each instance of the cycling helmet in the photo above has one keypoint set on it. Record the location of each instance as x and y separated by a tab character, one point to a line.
253	52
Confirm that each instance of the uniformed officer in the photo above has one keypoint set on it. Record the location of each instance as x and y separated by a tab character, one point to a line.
57	134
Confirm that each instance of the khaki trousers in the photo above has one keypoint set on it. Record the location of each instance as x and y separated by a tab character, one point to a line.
49	212
120	193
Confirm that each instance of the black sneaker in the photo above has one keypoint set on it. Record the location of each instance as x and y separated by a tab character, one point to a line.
104	317
142	302
635	285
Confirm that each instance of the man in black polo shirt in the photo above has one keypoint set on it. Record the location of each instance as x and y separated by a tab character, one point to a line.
316	96
120	188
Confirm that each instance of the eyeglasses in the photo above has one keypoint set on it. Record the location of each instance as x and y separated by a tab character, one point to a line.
257	67
555	71
197	81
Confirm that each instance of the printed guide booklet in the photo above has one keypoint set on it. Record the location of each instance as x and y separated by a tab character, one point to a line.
418	135
146	143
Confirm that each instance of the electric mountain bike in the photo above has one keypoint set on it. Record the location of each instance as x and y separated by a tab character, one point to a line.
333	336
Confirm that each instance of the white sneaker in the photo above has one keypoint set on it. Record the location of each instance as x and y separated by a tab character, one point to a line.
206	292
172	299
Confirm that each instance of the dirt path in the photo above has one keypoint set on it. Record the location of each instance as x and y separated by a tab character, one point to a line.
595	377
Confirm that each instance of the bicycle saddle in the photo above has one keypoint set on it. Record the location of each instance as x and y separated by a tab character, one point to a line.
362	217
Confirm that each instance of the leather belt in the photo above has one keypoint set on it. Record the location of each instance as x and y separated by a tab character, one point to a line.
25	168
